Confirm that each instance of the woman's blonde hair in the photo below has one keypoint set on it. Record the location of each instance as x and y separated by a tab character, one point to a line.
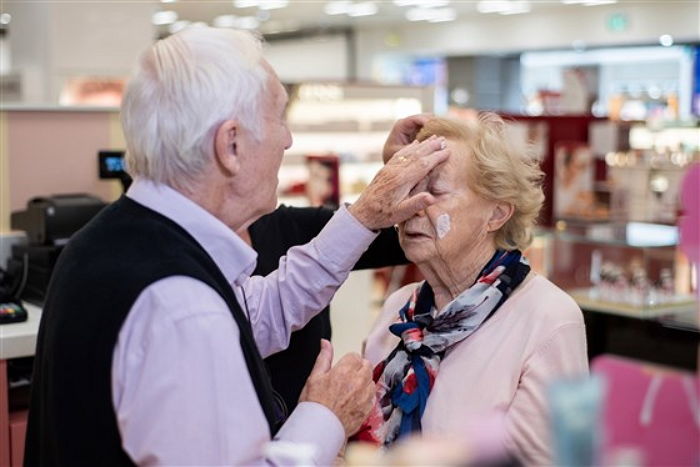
501	172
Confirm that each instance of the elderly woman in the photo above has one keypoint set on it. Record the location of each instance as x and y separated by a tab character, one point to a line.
483	333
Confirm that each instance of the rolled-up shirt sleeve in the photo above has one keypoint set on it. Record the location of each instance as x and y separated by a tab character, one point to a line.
182	392
305	281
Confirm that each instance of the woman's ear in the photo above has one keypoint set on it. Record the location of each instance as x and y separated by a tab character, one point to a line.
225	150
500	215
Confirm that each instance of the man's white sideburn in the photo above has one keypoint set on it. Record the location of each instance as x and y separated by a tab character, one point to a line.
443	225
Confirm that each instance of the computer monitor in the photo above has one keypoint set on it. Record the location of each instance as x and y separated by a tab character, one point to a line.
111	165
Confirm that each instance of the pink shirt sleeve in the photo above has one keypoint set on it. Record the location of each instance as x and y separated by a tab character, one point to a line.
527	419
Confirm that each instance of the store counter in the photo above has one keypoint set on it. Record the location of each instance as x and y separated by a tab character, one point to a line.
16	340
668	335
685	306
19	339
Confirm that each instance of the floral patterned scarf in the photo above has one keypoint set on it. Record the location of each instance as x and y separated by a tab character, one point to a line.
405	378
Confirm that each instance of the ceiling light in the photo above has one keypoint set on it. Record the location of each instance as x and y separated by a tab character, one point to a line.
5	18
247	22
262	15
225	21
492	6
161	18
363	9
422	3
417	14
517	7
444	15
272	4
178	26
433	15
246	3
578	45
666	40
588	2
503	7
168	1
338	7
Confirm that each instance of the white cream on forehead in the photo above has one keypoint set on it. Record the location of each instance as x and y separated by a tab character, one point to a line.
443	225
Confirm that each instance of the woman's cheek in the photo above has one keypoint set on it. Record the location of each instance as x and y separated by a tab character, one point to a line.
440	219
444	235
443	225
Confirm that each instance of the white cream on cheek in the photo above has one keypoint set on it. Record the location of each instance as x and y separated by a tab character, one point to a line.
443	225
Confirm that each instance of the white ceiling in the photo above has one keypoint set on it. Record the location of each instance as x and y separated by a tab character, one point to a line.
303	14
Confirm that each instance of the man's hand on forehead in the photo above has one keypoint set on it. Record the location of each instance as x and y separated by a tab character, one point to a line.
403	133
389	199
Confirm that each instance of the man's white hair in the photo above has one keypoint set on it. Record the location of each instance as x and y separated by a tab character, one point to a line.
182	89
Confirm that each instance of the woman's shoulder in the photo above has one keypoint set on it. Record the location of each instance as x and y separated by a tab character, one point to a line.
551	324
398	299
545	300
380	341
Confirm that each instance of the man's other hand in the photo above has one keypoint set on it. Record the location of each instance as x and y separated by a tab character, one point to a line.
403	133
346	389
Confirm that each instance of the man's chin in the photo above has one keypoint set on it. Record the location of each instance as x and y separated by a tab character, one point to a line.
265	209
274	202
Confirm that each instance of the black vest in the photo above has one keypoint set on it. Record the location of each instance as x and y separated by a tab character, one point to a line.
99	276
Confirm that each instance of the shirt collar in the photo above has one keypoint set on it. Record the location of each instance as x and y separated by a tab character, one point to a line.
235	258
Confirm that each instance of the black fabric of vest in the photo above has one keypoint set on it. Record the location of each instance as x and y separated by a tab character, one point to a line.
99	276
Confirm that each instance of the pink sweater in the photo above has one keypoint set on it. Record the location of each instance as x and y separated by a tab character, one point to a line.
536	337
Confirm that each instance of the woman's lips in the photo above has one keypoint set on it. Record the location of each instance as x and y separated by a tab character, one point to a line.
417	235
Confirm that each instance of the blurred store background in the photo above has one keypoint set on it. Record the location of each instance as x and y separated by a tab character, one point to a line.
605	92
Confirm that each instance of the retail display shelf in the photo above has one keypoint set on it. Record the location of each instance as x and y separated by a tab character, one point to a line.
19	339
664	125
587	299
623	234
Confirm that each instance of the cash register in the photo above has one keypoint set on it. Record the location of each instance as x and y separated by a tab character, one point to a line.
48	222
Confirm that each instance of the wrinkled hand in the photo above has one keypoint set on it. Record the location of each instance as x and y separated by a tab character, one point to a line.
346	389
403	133
386	200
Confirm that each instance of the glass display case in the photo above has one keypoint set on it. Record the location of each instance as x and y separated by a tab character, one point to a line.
636	289
633	268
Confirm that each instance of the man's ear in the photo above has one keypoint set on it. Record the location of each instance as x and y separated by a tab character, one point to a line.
225	147
500	215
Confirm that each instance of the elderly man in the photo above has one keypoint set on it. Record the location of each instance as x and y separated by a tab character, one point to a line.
152	335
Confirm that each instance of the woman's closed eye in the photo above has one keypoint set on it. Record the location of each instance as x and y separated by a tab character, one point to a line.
437	190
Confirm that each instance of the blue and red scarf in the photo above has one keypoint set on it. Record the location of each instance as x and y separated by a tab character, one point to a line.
405	378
